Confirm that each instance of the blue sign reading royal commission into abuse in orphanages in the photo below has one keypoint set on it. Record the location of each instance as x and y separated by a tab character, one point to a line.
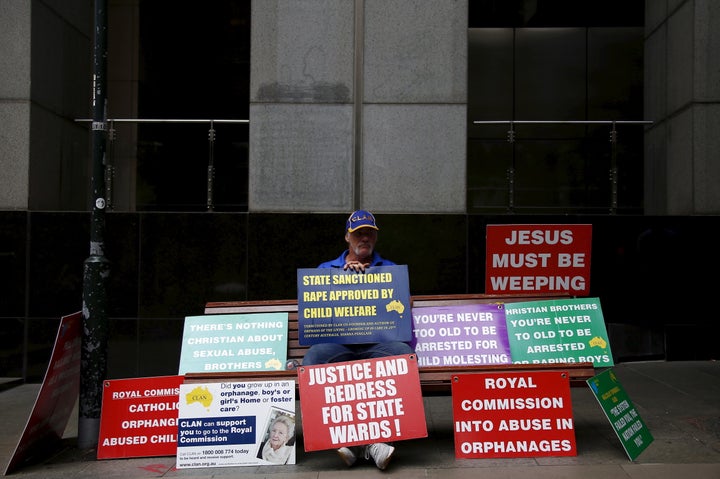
337	306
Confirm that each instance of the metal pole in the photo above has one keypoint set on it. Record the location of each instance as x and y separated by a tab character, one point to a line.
110	165
93	359
211	166
613	171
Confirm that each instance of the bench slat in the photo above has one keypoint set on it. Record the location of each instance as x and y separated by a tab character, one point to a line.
434	380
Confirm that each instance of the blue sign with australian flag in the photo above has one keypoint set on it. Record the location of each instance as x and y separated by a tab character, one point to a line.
337	306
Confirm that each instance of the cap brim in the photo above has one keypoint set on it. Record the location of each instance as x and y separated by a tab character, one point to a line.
350	230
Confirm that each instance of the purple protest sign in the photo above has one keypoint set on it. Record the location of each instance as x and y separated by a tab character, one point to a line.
472	334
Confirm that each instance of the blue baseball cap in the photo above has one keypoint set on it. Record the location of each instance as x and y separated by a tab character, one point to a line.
360	219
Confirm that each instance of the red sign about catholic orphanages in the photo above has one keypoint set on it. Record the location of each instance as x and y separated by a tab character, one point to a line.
360	402
513	414
538	259
139	417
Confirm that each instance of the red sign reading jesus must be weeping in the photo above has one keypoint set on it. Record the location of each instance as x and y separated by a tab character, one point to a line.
538	258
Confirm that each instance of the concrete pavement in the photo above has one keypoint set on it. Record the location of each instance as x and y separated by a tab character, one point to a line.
678	401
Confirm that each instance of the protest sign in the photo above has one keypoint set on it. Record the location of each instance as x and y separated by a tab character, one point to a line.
634	435
538	258
558	331
361	402
513	415
462	335
139	417
57	397
337	306
224	424
234	342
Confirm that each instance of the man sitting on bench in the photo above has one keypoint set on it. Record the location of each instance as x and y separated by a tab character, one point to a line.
361	234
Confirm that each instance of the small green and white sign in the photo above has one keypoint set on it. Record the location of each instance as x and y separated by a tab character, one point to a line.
634	435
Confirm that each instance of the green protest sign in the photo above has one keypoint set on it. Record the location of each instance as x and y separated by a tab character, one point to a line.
558	331
234	342
620	411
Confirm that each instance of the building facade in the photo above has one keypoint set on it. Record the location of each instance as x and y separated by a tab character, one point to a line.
354	104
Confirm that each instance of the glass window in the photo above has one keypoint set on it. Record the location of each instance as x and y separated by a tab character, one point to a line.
561	72
194	64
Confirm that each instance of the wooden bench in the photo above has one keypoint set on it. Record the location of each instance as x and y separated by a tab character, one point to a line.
434	380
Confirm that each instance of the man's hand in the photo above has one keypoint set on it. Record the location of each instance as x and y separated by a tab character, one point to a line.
356	266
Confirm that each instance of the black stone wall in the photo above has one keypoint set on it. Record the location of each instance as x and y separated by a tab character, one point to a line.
653	275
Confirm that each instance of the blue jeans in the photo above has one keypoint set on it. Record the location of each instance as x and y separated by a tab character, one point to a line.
324	353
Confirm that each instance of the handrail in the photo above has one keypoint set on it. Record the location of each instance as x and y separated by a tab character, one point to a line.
164	120
511	136
576	122
110	170
613	173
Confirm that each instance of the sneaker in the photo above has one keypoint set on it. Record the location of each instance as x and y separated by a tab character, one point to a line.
381	453
347	455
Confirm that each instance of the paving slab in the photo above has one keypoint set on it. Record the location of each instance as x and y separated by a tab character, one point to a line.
678	401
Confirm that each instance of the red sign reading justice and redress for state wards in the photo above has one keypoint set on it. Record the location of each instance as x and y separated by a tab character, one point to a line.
538	258
359	402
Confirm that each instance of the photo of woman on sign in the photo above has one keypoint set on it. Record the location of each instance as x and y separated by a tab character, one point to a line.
278	445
